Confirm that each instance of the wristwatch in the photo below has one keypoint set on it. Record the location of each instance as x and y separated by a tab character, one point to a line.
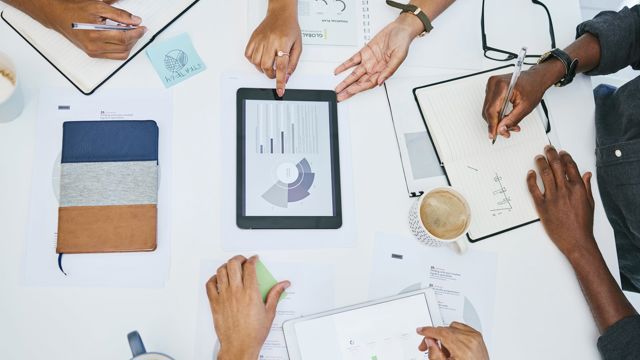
410	8
570	65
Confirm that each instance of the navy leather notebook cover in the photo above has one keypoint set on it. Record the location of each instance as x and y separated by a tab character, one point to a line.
109	141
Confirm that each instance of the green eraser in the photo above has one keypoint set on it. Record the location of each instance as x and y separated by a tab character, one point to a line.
266	281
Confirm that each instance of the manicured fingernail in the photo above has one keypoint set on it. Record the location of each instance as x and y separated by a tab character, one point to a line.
287	284
503	129
539	157
530	172
418	330
280	92
548	147
136	19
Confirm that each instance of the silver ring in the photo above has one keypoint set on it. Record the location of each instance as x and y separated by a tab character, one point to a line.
282	53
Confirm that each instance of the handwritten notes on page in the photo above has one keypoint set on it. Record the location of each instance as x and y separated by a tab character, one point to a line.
491	177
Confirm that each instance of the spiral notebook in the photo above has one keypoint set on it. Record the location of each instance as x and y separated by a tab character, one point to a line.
86	73
491	177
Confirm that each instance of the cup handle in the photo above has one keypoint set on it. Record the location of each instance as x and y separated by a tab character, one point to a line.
136	344
461	245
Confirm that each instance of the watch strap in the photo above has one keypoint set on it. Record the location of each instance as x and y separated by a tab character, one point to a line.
410	8
570	65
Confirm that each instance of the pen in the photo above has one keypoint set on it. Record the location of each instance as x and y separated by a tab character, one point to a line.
512	85
83	26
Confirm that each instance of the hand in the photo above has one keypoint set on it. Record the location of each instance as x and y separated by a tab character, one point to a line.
241	320
114	45
566	206
380	58
458	341
279	31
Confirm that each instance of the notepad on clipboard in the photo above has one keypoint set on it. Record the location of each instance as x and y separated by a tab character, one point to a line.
491	177
83	71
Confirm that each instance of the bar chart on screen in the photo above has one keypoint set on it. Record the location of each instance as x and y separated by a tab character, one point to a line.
287	128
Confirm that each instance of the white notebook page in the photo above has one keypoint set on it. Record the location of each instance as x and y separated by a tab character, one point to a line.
491	177
86	72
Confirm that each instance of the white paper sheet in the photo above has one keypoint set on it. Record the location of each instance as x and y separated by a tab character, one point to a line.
465	284
106	270
311	291
236	239
455	41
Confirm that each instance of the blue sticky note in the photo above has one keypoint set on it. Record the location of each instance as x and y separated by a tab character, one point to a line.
175	59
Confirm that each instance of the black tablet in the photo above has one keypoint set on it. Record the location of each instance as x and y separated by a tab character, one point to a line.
288	168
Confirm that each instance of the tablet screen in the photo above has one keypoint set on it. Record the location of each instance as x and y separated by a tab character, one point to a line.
287	158
384	331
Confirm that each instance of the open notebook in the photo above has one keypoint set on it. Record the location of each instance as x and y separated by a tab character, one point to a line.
491	177
84	72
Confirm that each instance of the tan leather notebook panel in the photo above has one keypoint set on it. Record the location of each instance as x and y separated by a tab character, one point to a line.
103	229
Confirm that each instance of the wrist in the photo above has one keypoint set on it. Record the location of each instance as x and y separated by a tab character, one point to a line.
283	8
550	72
586	254
410	22
223	354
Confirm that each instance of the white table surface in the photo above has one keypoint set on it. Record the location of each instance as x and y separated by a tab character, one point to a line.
539	308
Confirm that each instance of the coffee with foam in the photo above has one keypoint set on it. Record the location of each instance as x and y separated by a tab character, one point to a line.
444	214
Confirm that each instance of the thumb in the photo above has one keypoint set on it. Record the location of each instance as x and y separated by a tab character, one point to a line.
435	352
118	15
512	119
586	178
274	296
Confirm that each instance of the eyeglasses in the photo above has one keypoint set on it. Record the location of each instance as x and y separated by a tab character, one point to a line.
503	55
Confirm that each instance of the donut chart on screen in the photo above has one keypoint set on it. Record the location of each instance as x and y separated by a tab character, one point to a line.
294	182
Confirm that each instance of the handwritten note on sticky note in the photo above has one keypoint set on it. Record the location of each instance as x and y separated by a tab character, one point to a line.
175	59
266	281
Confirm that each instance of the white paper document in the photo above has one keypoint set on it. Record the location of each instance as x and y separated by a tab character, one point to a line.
464	284
82	70
143	269
311	291
491	177
236	239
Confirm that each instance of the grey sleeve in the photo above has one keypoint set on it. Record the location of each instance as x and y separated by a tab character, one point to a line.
619	36
621	341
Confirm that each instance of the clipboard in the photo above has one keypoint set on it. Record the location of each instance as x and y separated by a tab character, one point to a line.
92	90
547	126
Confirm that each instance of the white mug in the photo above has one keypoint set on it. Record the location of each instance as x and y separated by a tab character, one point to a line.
425	236
139	352
11	100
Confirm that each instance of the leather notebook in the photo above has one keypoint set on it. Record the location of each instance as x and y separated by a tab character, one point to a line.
108	187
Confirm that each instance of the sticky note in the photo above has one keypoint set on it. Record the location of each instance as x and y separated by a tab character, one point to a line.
266	281
175	59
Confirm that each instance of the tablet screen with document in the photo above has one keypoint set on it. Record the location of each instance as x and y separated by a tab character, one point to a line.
377	330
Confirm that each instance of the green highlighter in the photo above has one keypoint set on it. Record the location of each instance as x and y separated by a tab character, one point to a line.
266	281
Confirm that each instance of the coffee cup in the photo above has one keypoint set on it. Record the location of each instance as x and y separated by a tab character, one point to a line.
139	352
441	217
11	100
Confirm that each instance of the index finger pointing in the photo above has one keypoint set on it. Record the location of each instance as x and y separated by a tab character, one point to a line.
353	61
282	63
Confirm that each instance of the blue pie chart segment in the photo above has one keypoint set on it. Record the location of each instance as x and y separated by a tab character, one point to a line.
281	194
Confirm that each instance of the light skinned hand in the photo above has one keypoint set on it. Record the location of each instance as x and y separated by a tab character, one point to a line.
566	206
279	31
379	58
241	320
458	341
526	95
116	45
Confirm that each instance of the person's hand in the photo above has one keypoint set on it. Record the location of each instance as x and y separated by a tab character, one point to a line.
278	32
458	341
566	205
241	320
526	95
379	58
59	14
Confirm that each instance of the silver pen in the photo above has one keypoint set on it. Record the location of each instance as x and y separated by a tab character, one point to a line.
84	26
512	85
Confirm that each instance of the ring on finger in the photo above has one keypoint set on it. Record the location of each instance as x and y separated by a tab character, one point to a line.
281	53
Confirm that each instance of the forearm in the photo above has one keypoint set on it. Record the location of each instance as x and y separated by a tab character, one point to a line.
607	302
37	9
586	49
